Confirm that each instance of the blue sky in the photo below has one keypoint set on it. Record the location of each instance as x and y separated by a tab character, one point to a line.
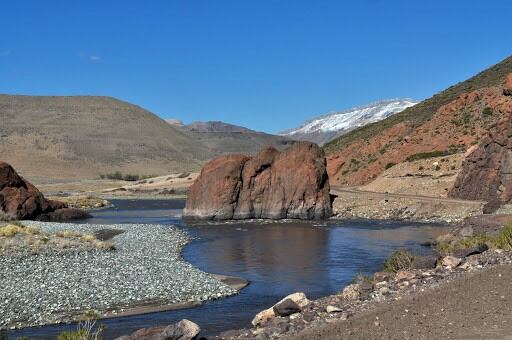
267	65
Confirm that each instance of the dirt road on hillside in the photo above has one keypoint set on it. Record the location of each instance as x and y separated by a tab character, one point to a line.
339	190
477	306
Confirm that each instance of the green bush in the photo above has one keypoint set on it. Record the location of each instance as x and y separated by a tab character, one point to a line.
431	154
390	165
80	334
398	260
504	238
487	111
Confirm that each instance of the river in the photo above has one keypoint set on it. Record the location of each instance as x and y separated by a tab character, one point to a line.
278	258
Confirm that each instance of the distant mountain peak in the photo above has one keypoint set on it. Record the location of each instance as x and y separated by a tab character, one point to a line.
329	126
216	126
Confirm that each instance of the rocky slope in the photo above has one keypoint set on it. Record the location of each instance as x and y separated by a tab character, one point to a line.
449	122
221	138
83	136
487	170
325	128
272	184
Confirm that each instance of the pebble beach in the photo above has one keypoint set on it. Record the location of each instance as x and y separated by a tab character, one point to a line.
146	268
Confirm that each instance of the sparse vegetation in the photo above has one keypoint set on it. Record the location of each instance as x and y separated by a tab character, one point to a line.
390	165
431	154
501	241
487	111
82	202
362	278
86	331
398	260
125	177
17	237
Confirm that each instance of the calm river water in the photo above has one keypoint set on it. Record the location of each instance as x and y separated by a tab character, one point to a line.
280	258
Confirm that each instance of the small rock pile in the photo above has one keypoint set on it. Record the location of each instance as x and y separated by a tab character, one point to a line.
363	295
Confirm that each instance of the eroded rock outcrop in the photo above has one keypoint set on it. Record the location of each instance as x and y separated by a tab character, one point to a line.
19	199
271	185
487	171
507	89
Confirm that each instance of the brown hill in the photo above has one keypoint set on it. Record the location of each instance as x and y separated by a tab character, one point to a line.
222	138
449	122
83	136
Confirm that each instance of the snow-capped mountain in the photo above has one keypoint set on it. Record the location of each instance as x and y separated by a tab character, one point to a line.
327	127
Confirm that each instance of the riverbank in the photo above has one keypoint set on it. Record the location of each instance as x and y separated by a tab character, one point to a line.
469	300
145	268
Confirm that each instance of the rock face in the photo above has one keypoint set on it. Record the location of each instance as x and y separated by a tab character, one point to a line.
271	185
487	172
19	199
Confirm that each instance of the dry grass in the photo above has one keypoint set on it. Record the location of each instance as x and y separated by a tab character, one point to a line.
82	202
19	238
501	241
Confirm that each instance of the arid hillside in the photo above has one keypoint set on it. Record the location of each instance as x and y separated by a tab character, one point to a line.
84	136
450	122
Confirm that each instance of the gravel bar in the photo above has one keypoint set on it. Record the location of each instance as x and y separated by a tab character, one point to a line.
146	268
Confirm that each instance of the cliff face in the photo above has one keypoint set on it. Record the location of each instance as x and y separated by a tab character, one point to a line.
487	171
271	185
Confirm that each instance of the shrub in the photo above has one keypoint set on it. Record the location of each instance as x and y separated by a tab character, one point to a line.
85	331
504	238
390	165
487	111
362	278
183	175
431	154
399	260
446	248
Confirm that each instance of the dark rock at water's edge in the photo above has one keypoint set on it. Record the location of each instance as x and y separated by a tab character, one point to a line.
182	330
21	200
271	185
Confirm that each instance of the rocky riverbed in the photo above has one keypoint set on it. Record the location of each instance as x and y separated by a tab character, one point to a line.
296	318
146	268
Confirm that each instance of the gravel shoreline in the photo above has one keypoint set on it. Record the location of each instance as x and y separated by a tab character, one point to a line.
146	268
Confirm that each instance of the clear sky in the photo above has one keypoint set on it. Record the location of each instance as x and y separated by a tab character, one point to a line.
267	65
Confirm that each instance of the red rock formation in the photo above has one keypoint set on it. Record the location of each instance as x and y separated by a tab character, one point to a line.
507	89
272	184
19	199
487	171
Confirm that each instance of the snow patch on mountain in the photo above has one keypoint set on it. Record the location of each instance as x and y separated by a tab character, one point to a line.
327	127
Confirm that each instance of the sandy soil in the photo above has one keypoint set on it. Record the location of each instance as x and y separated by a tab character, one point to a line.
428	177
476	306
168	185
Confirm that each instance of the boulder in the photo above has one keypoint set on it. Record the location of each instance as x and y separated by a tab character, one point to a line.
287	307
451	261
19	199
425	262
298	298
182	330
404	275
507	88
271	185
470	251
351	292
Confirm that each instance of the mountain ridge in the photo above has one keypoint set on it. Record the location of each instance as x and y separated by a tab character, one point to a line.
323	128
